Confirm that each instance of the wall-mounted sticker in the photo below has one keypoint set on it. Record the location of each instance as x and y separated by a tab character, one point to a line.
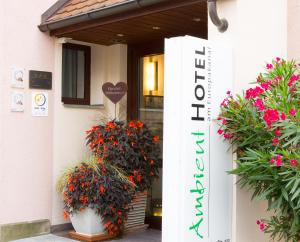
39	104
17	101
18	77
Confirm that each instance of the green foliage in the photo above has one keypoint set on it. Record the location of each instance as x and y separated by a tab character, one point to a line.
264	126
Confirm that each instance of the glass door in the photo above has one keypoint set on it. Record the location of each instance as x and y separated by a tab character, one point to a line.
150	111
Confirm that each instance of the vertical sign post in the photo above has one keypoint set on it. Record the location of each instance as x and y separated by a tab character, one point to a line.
197	191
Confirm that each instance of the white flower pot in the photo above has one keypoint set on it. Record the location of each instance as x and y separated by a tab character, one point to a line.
87	222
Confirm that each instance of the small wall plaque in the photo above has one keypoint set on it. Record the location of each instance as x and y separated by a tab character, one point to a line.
40	80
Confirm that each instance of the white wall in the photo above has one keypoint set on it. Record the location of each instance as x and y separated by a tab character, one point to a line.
25	141
70	123
257	33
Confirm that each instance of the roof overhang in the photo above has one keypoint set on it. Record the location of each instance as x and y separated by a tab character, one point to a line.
132	21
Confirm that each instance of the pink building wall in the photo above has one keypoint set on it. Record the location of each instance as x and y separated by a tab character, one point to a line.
26	141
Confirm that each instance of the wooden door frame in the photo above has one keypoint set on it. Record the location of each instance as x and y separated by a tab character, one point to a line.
134	53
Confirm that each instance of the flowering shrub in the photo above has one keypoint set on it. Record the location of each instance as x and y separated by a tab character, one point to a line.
264	126
130	147
100	187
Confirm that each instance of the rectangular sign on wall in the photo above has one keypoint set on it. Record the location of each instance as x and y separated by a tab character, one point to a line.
197	191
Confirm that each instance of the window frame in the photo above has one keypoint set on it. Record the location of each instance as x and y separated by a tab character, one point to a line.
87	75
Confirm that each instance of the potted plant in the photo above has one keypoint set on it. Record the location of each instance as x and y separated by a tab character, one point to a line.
132	148
96	197
264	126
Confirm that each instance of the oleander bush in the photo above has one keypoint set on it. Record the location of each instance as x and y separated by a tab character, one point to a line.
263	125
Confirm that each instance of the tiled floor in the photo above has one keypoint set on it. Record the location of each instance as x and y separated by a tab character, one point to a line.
146	236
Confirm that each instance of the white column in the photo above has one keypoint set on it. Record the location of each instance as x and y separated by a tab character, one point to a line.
258	33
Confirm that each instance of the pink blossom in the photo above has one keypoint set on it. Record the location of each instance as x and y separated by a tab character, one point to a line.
228	136
283	116
271	116
279	160
293	162
293	112
258	222
224	103
277	132
292	80
259	104
278	78
278	59
254	92
275	142
272	161
224	121
262	226
266	85
220	131
269	66
228	92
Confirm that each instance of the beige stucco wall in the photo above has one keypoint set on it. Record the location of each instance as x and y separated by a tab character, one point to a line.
294	29
257	33
70	123
26	141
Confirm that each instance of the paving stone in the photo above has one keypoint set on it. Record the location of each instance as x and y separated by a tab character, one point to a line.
146	236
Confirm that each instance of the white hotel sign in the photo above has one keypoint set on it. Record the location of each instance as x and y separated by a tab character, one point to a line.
197	192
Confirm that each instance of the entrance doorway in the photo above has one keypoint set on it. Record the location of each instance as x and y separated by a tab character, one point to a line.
145	102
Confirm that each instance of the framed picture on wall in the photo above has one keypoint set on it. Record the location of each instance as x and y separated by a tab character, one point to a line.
18	76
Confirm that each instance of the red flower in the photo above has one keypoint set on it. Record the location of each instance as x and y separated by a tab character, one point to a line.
293	162
111	125
293	112
275	142
224	121
272	161
130	178
283	116
102	189
132	124
269	66
220	131
253	93
228	136
271	116
266	85
259	104
277	132
262	226
71	188
140	124
66	215
292	80
278	161
156	138
139	178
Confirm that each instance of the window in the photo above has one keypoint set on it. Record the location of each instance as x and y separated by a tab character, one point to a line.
76	68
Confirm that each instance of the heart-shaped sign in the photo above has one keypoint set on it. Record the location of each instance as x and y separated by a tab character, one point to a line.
114	92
